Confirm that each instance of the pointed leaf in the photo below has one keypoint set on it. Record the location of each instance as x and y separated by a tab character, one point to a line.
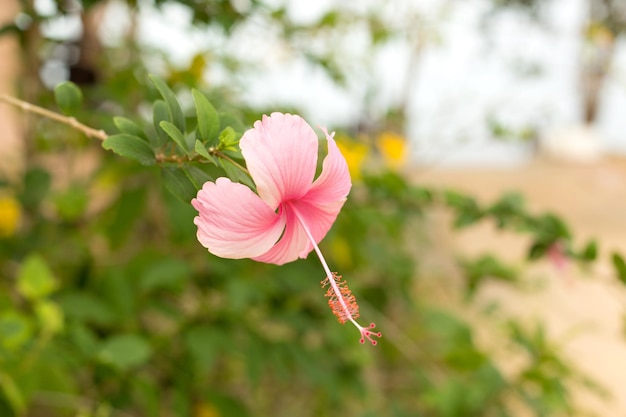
590	253
125	125
208	120
130	147
202	151
177	183
236	174
620	267
229	119
176	135
160	113
68	96
176	113
197	176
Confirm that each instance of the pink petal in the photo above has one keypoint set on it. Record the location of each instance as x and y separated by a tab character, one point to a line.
318	218
334	182
233	222
318	210
281	155
291	244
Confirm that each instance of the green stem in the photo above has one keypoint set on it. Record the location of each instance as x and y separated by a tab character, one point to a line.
219	154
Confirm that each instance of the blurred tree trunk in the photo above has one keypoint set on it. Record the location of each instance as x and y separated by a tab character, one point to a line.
604	25
12	149
607	22
85	70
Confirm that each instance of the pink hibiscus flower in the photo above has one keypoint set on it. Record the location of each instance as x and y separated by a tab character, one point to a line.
292	210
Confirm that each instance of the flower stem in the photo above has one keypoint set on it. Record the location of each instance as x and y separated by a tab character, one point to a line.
69	121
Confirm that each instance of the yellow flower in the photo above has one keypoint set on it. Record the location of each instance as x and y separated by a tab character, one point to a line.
354	152
205	410
393	149
10	215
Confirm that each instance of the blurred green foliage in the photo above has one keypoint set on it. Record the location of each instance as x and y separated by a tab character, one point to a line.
121	308
110	307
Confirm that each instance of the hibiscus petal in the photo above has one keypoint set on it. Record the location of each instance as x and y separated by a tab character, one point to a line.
281	155
334	182
318	218
233	222
317	209
291	244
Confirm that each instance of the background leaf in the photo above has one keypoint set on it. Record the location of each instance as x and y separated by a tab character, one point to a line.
125	351
68	96
175	134
208	119
131	147
35	280
176	113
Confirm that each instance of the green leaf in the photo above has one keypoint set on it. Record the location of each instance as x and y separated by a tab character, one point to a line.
176	113
168	273
537	250
68	96
177	183
71	203
228	138
197	176
117	289
486	267
176	135
14	396
236	174
129	127
202	151
208	119
83	337
36	187
15	330
125	351
130	147
50	316
203	342
590	253
35	280
620	267
124	214
229	119
467	210
160	113
146	392
85	307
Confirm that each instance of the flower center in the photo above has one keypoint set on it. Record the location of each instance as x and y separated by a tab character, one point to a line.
340	299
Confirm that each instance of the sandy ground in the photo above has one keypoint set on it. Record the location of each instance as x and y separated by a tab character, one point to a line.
585	310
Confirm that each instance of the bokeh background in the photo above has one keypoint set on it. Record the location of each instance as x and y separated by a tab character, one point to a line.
483	234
